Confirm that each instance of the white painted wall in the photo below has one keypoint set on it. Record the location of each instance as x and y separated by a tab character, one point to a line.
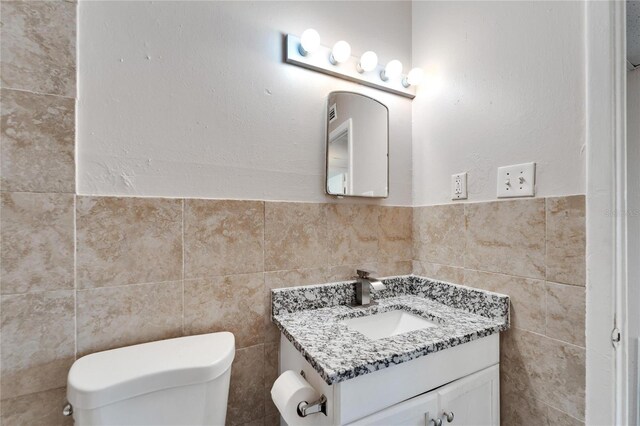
633	228
513	91
192	99
606	242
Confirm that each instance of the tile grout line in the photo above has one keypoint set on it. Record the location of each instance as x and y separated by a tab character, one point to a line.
551	338
105	287
546	268
75	278
183	265
264	231
31	92
11	191
546	309
82	290
466	230
264	289
549	405
327	232
499	273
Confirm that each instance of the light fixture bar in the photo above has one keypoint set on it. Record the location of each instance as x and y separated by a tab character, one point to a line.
348	70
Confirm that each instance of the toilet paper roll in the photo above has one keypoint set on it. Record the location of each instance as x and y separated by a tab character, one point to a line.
289	390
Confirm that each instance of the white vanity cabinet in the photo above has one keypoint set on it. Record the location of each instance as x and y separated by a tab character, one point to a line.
470	401
474	400
463	379
417	411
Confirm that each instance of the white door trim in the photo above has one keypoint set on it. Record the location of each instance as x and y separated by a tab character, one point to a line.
606	209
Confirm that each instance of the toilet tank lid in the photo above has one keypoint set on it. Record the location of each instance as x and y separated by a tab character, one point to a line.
106	377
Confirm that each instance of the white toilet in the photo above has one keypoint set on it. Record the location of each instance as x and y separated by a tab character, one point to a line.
183	381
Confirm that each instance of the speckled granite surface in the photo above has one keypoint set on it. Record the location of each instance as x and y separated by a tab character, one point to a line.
311	318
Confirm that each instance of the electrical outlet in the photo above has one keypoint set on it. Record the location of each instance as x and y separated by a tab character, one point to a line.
517	181
459	186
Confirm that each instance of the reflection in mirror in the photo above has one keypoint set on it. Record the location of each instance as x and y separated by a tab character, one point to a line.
357	146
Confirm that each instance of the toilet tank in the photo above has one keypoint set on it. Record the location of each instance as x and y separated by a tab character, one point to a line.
183	381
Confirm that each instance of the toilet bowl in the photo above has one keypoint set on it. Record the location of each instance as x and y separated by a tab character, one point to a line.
183	381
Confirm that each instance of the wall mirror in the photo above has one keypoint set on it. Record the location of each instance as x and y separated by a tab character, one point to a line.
357	146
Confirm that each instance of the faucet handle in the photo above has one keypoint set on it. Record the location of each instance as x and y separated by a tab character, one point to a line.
363	273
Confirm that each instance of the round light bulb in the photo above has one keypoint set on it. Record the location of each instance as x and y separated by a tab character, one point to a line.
341	52
392	70
414	77
368	61
309	41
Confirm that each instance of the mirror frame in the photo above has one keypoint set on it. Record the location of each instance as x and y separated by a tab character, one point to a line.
326	156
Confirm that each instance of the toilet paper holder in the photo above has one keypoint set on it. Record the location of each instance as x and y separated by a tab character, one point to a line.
319	406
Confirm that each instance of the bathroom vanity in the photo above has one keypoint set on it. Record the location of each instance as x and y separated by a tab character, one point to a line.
427	353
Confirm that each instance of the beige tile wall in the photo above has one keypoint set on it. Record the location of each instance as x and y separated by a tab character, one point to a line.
37	180
142	274
534	251
152	268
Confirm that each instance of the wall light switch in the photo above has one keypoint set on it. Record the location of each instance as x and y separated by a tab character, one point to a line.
459	186
517	181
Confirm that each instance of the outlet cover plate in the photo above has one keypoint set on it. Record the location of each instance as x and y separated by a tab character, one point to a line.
518	180
459	186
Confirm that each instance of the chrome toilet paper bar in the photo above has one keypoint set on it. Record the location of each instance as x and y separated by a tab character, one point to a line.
319	406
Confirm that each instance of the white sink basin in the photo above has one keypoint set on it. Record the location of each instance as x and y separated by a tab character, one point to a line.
387	324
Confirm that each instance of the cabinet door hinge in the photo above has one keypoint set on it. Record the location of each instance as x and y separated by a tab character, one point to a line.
616	336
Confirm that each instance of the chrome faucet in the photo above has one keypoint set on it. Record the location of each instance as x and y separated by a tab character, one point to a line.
364	285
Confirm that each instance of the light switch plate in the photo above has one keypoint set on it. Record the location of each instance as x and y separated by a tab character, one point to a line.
518	180
459	186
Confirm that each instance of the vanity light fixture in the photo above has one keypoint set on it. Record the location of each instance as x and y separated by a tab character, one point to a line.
414	77
340	53
309	42
392	70
368	62
307	52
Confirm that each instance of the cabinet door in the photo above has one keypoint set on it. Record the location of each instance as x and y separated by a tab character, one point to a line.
416	411
473	400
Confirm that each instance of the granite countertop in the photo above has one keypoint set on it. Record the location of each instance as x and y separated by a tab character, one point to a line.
311	318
